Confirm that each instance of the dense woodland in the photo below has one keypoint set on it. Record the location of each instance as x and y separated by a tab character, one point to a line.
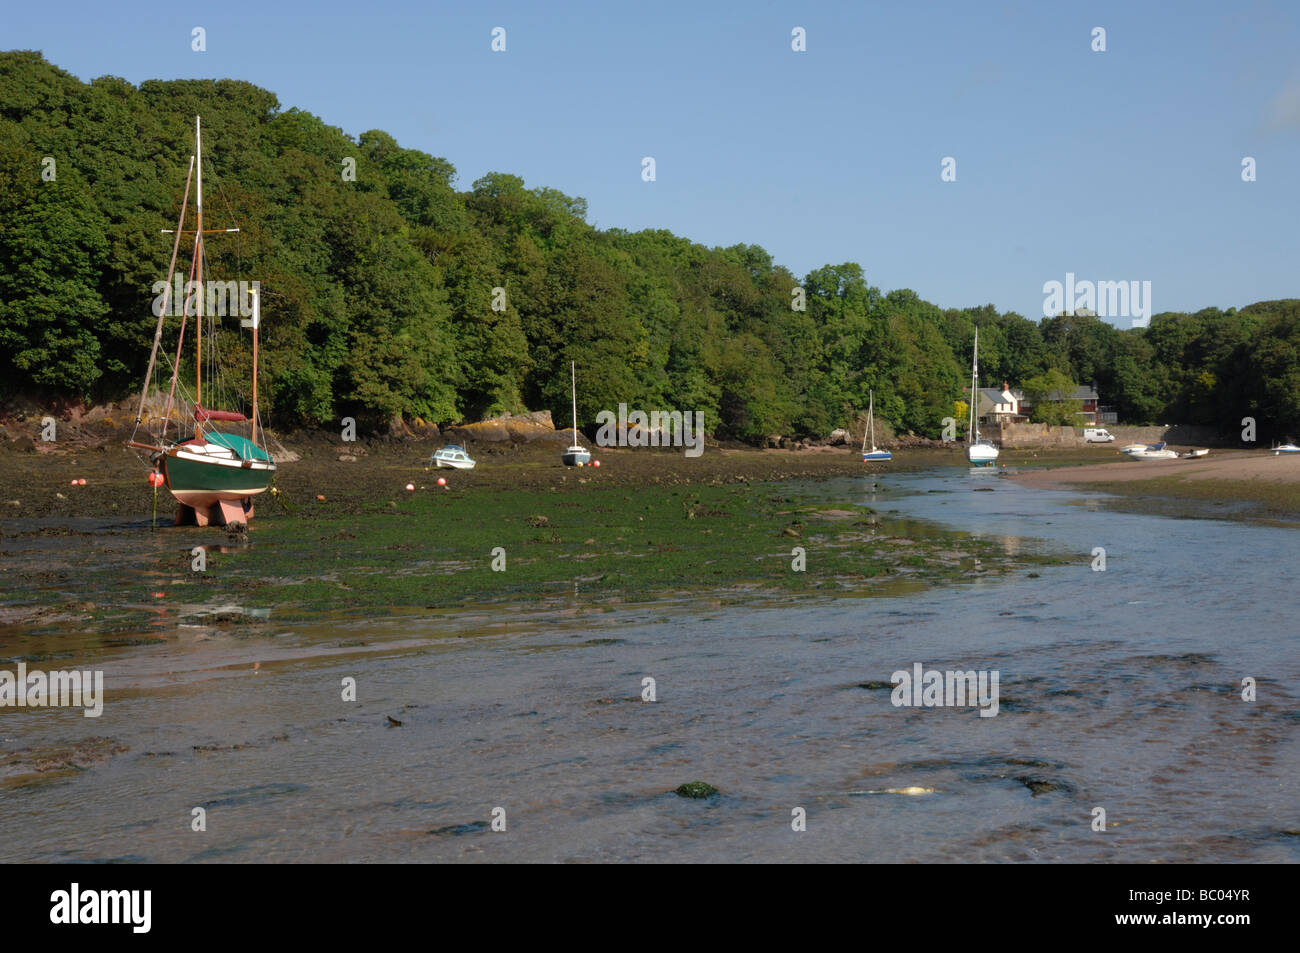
377	293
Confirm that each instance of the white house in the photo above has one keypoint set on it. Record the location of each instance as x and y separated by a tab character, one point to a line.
999	405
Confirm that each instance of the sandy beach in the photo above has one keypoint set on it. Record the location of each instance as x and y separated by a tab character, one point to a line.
1230	483
1220	465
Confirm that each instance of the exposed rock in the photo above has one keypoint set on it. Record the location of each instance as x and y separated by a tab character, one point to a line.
1039	786
696	790
397	428
838	436
540	418
519	428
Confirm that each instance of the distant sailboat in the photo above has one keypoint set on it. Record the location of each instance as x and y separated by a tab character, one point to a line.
979	449
873	455
577	455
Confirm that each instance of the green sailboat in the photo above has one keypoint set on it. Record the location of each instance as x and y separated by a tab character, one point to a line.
213	474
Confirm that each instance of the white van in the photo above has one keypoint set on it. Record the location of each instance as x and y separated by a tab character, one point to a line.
1098	435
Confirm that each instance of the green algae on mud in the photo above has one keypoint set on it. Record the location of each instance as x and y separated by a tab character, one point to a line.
525	534
442	549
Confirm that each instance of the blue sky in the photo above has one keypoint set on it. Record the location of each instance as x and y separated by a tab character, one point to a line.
1122	165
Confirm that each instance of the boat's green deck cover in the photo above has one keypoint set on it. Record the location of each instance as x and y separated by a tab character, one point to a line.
246	449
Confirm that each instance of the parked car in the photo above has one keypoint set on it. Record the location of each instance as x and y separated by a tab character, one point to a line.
1098	435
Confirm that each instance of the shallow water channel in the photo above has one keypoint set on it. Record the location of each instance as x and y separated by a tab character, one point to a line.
1118	689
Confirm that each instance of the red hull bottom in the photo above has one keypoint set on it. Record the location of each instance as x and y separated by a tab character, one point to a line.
218	513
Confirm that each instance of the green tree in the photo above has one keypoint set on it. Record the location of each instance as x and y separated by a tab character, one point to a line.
1048	394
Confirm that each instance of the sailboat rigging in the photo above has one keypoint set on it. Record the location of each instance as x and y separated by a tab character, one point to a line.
873	455
213	474
577	455
979	449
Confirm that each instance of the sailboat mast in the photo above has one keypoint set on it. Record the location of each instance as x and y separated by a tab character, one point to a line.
871	417
166	301
257	314
198	269
573	378
974	379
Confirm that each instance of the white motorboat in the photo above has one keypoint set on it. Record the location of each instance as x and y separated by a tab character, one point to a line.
1193	454
979	449
1282	448
453	457
1155	451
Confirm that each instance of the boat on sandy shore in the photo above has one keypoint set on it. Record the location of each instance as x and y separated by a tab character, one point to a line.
1287	447
1155	451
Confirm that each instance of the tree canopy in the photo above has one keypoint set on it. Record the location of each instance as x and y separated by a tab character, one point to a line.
391	292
